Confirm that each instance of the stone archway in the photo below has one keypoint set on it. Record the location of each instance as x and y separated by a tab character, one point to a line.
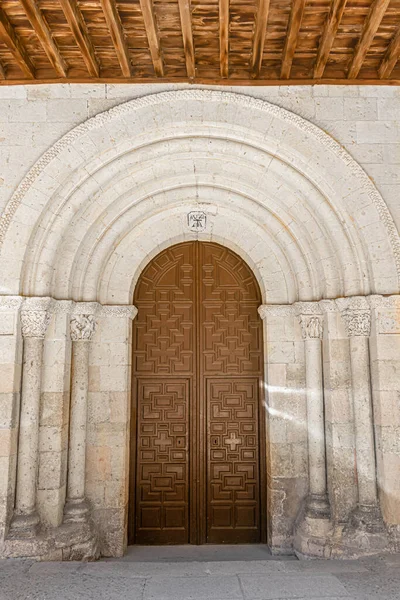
117	190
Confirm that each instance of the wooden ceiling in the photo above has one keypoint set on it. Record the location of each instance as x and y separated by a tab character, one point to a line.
242	42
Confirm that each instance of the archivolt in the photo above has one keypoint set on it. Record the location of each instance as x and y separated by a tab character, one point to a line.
278	191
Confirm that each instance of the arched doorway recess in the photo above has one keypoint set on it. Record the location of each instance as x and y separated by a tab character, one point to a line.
198	431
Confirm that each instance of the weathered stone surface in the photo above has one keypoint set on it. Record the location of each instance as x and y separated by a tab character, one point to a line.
279	191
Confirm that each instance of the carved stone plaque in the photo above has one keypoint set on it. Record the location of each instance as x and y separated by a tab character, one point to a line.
197	221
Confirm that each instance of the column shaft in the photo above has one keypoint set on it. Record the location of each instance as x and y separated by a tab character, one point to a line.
315	417
28	443
82	327
34	322
78	419
363	420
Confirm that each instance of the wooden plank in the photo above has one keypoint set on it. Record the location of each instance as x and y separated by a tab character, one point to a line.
42	31
15	46
80	33
260	31
224	37
328	36
117	35
152	36
188	46
391	57
296	16
371	24
204	80
2	72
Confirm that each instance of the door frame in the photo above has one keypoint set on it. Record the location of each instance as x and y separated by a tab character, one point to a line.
198	440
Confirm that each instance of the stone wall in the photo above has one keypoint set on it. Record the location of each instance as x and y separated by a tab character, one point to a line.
294	205
364	119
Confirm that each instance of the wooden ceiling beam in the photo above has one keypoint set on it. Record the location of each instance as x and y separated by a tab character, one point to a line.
391	57
152	36
296	16
260	30
43	33
15	46
80	33
224	37
371	24
117	35
328	36
188	46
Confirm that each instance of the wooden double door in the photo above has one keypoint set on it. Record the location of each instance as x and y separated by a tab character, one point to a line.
197	451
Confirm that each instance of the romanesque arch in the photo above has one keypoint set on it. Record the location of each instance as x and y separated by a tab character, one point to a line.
282	194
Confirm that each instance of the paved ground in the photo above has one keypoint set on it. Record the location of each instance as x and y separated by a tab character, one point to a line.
202	573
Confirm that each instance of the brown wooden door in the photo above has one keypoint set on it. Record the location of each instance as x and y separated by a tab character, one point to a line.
197	452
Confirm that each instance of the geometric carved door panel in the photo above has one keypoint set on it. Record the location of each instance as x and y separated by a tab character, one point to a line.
162	462
234	477
197	471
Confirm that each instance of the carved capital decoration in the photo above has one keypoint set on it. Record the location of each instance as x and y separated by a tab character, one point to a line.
35	317
82	327
312	326
356	315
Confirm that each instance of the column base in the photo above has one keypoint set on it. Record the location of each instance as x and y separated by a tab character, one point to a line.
365	534
76	510
24	526
313	530
77	540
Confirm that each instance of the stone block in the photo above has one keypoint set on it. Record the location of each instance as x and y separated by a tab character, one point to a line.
9	410
99	410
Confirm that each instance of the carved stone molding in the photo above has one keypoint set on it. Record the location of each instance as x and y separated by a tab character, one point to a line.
328	306
11	303
276	310
356	315
307	308
390	302
387	312
64	307
35	317
312	326
123	311
86	308
220	97
82	327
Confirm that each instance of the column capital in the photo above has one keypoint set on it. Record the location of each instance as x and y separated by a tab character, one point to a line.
311	320
356	314
276	310
82	327
35	317
312	326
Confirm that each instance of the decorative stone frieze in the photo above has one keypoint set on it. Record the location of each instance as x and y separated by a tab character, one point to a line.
387	311
356	315
123	311
276	310
11	303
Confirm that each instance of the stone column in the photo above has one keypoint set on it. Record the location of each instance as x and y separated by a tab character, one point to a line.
312	332
356	315
314	526
35	317
82	327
